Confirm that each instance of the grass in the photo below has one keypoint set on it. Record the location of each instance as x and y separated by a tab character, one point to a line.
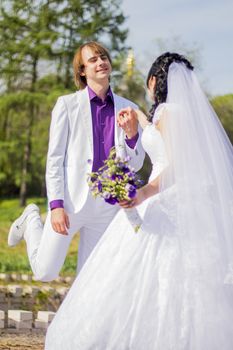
15	259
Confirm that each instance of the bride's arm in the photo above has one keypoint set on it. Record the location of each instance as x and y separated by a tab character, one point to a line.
142	118
153	187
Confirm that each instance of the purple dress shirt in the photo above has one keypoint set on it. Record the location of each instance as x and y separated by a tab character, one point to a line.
103	124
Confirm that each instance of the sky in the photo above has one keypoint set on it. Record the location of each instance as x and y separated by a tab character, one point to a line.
205	26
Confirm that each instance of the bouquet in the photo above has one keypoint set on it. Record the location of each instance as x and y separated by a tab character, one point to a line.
115	181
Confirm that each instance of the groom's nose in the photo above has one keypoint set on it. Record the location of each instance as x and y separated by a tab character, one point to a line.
100	60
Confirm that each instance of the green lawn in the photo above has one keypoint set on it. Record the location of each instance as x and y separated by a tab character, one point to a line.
15	259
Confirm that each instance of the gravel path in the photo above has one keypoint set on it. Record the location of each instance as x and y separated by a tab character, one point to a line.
13	341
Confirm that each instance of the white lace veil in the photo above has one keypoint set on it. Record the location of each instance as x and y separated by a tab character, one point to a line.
200	169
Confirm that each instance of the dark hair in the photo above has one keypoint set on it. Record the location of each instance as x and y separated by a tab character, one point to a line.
159	69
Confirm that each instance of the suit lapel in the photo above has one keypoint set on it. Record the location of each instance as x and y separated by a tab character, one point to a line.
85	114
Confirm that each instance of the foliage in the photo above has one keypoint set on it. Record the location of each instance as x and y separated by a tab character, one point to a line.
223	106
128	80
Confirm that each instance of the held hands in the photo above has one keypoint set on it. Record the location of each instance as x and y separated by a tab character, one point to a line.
60	221
138	199
127	120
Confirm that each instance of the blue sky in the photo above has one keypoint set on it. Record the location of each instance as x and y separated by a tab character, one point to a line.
206	25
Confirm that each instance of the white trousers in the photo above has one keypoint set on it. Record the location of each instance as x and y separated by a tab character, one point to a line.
47	249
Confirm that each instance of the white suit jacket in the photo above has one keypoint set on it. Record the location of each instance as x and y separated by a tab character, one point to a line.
71	146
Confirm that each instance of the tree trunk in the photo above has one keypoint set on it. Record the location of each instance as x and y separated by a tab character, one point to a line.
26	158
68	62
27	147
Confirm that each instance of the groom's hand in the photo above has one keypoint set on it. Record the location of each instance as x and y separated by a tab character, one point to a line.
127	120
60	221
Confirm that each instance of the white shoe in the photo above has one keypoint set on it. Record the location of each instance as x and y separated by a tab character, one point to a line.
17	229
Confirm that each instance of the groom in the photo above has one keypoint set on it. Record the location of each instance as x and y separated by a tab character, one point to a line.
83	129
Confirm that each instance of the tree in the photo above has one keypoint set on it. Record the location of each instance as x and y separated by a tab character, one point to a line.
81	21
26	31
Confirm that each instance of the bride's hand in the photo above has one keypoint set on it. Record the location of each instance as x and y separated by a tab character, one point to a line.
138	199
125	114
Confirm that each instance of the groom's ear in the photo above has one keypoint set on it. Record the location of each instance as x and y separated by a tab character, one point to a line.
82	70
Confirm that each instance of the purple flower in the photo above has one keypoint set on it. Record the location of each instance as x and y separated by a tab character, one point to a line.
122	165
125	169
131	190
130	174
132	194
131	182
111	200
99	186
129	187
106	195
92	179
89	161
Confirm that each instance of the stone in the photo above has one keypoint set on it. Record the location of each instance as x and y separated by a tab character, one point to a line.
19	324
27	290
15	276
26	278
45	316
39	324
48	289
2	297
2	315
20	315
69	279
35	291
4	277
62	291
58	280
4	306
2	324
16	290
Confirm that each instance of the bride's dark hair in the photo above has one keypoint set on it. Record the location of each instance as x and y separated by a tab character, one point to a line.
159	69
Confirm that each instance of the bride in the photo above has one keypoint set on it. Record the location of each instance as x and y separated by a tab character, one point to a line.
168	286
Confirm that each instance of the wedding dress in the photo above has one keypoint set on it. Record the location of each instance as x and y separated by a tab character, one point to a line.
168	286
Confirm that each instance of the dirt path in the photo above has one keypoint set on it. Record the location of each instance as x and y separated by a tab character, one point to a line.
15	341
